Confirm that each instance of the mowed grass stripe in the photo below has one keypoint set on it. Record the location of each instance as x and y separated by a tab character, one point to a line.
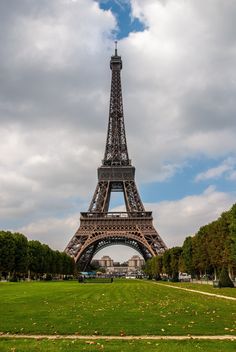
7	345
124	307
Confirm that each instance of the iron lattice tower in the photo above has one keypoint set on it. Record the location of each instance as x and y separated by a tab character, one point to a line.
100	228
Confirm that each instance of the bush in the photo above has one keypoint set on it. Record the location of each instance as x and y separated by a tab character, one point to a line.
157	277
13	278
224	279
175	277
48	277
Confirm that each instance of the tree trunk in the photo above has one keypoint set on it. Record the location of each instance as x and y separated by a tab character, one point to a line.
215	274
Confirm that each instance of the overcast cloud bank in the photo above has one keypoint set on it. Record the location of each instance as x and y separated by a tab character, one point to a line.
179	85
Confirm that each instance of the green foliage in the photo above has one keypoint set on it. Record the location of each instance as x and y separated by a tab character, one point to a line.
167	263
187	256
21	253
210	249
7	251
201	260
224	279
148	269
175	254
232	241
35	257
159	266
18	255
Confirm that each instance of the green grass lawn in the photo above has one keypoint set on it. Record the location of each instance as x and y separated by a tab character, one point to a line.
231	292
125	306
7	345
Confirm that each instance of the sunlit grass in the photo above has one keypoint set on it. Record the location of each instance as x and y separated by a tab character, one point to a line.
231	292
123	307
7	345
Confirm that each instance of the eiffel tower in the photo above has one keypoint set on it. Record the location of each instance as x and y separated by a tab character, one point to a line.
100	228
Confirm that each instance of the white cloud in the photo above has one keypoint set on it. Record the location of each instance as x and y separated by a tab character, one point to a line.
181	81
51	131
179	86
53	231
175	220
226	168
232	176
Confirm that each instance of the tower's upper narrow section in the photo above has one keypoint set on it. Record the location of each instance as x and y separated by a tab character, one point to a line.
116	152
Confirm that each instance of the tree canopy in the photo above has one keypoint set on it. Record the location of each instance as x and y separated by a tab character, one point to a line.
18	256
212	248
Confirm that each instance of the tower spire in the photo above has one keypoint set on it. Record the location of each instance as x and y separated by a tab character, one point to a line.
116	151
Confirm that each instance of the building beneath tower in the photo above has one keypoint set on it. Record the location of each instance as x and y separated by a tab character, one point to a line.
132	266
105	262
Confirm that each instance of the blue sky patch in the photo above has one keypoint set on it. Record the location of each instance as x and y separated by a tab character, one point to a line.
121	9
184	182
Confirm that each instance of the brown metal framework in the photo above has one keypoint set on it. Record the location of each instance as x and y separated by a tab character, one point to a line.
99	227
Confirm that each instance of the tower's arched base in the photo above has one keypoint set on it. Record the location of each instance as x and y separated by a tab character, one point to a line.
98	230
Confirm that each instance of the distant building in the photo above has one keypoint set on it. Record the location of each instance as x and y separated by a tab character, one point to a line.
136	262
121	270
105	262
134	265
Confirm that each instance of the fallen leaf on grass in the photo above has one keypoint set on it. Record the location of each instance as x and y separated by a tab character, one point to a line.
122	333
90	342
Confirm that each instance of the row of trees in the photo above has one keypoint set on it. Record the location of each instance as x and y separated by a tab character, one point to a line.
20	257
212	248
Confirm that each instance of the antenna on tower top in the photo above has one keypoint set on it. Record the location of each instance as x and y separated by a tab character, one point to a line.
115	47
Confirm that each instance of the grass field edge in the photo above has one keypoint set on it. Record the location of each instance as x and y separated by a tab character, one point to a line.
109	337
196	291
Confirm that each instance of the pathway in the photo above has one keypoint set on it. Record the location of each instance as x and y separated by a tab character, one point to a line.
130	337
196	291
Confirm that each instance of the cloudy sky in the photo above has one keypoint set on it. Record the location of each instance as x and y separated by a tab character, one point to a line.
179	87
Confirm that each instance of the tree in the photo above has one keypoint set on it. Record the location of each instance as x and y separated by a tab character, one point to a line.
167	262
156	267
148	268
21	253
232	240
187	255
35	256
175	254
224	279
159	265
49	260
59	265
212	248
7	251
201	260
220	234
